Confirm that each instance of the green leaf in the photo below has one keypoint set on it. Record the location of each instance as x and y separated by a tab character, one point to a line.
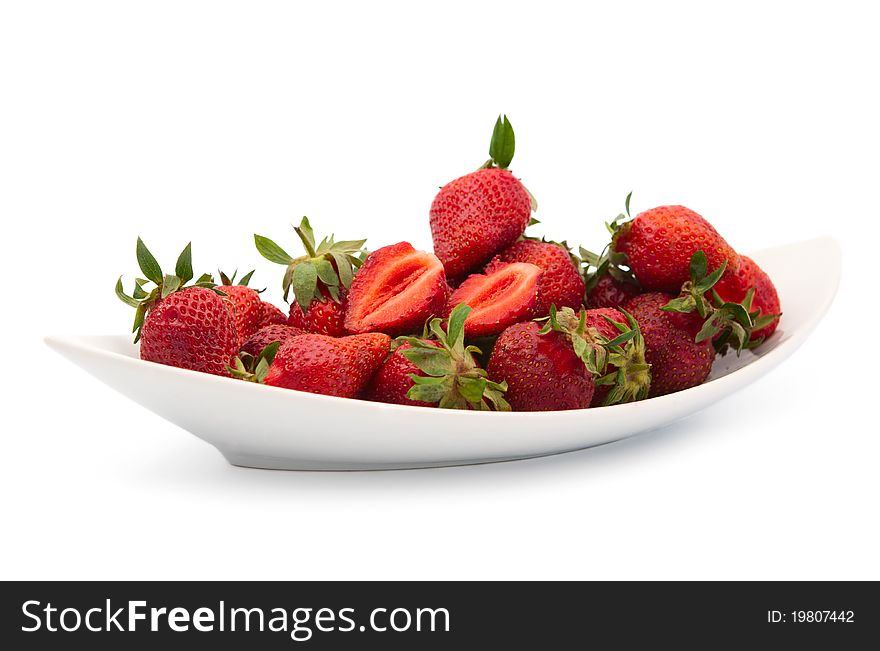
628	197
699	266
304	282
120	292
622	338
246	278
433	361
271	251
427	392
343	266
472	389
710	328
147	263
348	246
455	329
684	304
709	281
184	268
326	273
139	292
306	236
139	317
503	143
268	353
170	284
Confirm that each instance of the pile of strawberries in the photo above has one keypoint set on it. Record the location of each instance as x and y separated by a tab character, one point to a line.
491	320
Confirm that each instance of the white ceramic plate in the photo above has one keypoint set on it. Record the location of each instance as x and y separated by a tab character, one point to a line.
268	427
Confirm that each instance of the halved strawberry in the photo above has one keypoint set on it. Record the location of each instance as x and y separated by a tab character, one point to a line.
395	291
506	296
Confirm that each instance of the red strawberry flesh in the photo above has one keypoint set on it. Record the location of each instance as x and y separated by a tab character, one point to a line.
499	299
395	291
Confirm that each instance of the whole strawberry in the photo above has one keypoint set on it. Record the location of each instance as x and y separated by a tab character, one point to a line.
323	316
542	371
658	245
439	372
266	335
627	375
498	299
727	324
247	307
319	279
560	283
677	361
608	292
393	381
396	290
189	327
735	288
479	214
271	315
327	365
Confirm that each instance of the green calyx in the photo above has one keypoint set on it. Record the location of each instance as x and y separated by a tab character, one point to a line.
619	361
728	324
502	145
609	262
330	262
229	281
452	377
501	149
143	297
253	369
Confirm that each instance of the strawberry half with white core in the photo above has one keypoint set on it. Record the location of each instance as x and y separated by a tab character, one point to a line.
477	215
499	299
319	279
445	374
612	350
395	291
188	327
560	284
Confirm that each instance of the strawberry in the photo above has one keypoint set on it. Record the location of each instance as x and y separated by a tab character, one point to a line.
188	327
560	365
439	372
735	287
560	283
498	299
479	214
658	245
393	381
542	371
322	316
331	366
726	323
319	279
608	292
247	307
271	315
677	361
627	377
267	335
395	291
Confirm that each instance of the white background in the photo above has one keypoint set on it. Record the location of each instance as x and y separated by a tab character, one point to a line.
212	121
